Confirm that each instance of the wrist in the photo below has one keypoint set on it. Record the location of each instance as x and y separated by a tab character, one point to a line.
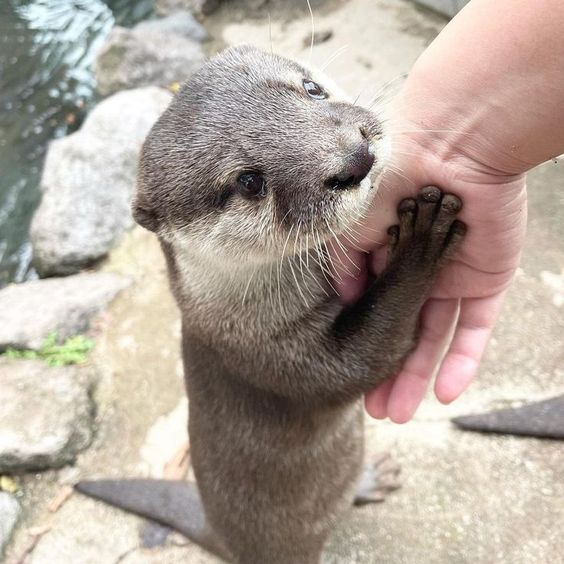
490	92
454	129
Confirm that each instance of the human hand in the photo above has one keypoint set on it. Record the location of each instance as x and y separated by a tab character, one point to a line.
466	299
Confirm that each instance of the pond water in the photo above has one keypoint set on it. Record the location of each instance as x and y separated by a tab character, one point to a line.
47	48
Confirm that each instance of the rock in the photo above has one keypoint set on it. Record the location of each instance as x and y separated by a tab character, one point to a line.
198	7
46	414
446	7
180	23
140	57
88	180
32	310
9	514
319	37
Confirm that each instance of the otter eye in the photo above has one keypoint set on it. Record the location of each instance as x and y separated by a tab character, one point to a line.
314	90
252	185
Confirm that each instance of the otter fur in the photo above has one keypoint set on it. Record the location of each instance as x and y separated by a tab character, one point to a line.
256	165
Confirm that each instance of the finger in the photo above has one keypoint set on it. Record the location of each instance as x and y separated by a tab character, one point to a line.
475	324
437	320
376	401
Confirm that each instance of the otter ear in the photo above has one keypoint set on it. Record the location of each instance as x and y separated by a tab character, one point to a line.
144	214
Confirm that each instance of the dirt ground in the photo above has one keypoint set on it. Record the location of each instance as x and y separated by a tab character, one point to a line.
467	498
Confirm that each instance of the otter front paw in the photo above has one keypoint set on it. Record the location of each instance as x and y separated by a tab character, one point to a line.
428	232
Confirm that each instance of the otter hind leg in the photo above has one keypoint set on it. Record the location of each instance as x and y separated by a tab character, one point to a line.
378	479
173	503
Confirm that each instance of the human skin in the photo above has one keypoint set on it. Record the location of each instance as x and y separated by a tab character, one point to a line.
481	107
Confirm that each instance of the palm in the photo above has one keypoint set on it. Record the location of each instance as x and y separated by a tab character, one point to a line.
469	291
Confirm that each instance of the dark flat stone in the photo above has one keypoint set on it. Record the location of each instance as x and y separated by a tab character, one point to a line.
541	419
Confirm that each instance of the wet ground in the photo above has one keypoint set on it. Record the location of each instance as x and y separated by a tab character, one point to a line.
47	48
467	498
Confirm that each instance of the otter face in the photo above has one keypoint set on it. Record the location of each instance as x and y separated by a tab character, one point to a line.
255	155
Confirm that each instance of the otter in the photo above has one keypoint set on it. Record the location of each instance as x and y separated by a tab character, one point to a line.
255	166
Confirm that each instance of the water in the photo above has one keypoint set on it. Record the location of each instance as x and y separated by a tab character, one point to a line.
47	48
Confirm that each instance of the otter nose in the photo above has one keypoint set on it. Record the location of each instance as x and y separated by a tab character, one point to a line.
358	165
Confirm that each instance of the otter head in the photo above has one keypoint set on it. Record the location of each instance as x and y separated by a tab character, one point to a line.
255	155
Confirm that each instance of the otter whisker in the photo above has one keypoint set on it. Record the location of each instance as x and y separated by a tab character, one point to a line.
396	152
328	274
292	258
382	90
312	31
336	54
394	170
303	263
423	130
325	270
358	222
282	257
271	287
357	98
315	278
342	247
352	244
350	233
334	270
319	261
270	33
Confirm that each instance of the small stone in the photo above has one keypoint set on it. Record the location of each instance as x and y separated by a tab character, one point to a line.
9	514
320	36
179	23
132	58
30	311
88	180
46	414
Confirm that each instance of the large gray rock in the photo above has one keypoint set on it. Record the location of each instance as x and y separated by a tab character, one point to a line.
88	180
46	414
32	310
181	23
198	7
9	514
140	57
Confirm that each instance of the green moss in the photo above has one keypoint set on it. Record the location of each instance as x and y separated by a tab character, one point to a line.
73	351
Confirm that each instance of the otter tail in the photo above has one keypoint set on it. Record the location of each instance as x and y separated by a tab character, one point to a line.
543	419
173	503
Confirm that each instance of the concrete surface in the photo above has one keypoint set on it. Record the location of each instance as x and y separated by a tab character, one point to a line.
467	498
